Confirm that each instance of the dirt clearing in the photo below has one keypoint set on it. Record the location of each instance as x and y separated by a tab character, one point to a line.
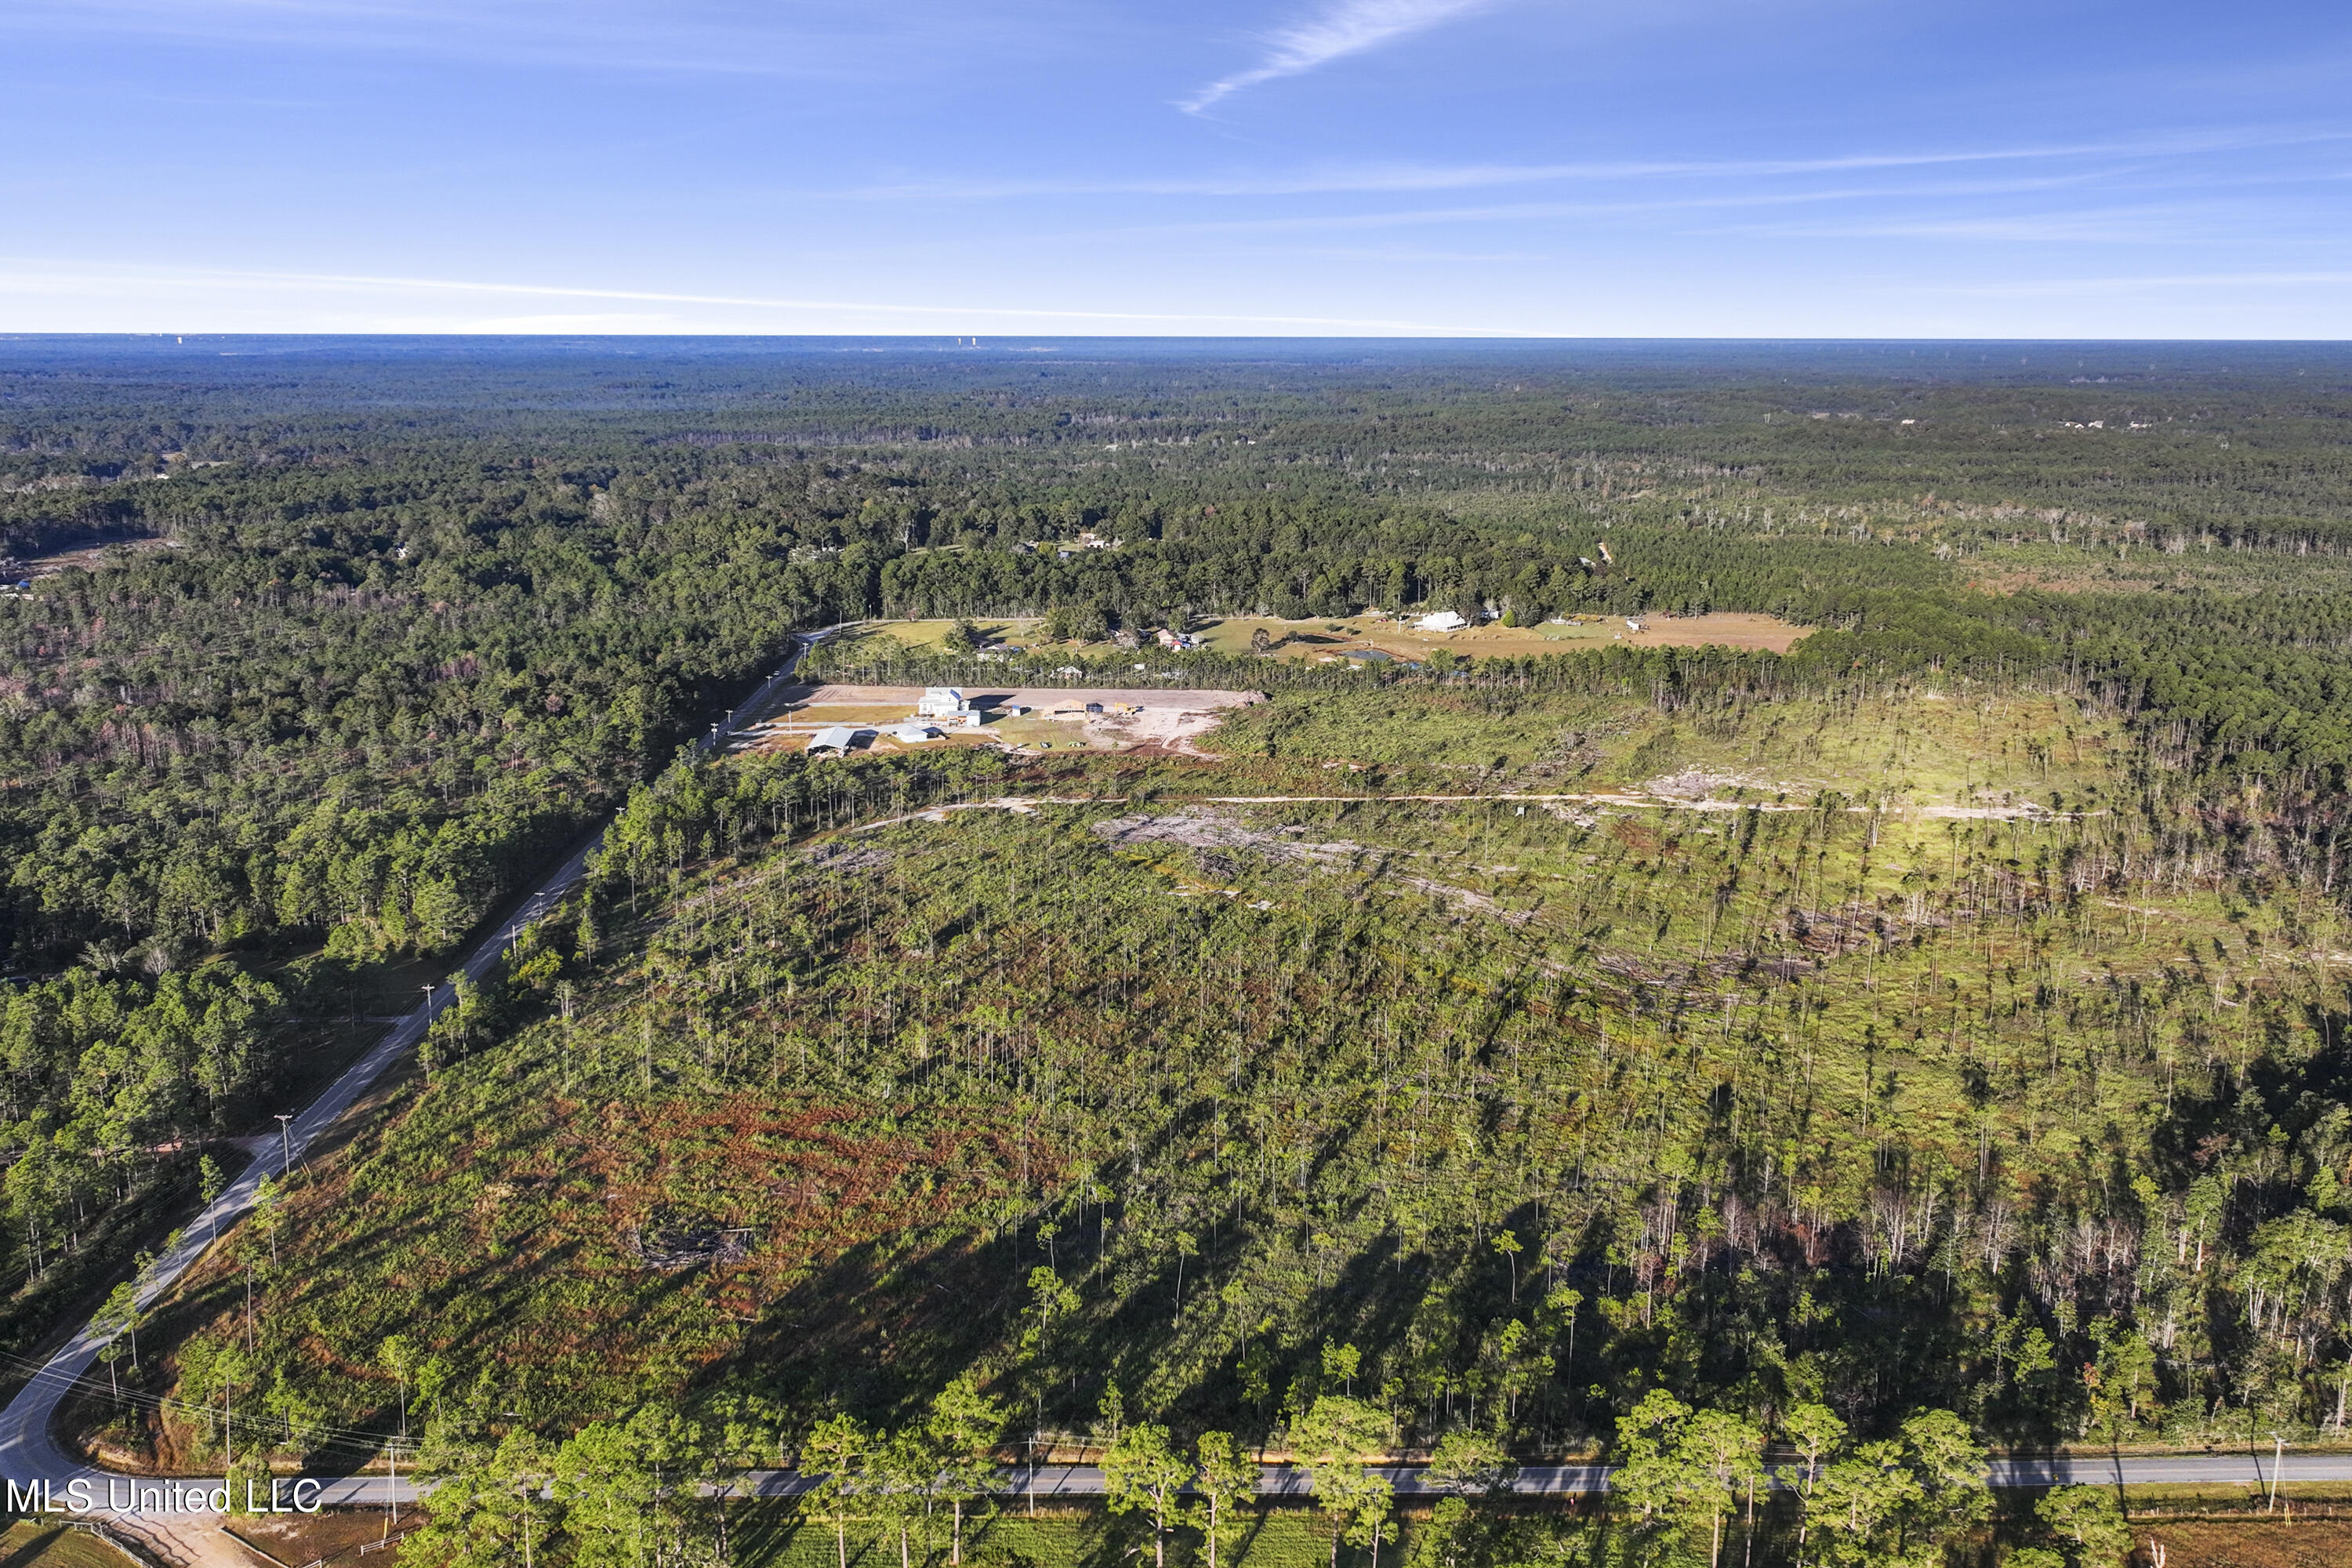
2321	1544
1211	831
1050	718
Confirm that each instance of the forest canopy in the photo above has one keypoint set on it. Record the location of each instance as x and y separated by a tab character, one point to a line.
1935	1029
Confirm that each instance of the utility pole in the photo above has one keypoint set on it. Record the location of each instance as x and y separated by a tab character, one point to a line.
423	1055
286	1141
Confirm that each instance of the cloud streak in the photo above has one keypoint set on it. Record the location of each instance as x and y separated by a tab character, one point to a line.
1384	178
2064	286
1347	28
1588	211
80	279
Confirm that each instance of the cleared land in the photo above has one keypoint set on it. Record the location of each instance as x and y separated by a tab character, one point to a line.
1323	638
2325	1543
334	1536
1129	719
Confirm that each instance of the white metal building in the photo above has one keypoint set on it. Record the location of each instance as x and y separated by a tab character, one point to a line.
940	702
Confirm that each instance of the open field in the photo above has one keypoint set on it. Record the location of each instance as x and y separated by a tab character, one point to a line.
1325	638
28	1545
2018	753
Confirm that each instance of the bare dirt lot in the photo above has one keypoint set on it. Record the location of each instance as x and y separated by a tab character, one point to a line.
1056	718
1726	630
2258	1544
334	1536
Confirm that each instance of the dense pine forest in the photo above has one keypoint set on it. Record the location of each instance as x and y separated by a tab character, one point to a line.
1927	1041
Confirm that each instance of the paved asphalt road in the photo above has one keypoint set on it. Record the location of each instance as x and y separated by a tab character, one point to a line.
1049	1481
30	1453
2253	1469
28	1450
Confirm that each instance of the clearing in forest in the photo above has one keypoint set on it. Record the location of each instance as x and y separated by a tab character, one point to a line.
1335	637
1051	718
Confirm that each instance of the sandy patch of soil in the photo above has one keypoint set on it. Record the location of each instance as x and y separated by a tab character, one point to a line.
1135	717
1211	832
1697	783
1725	630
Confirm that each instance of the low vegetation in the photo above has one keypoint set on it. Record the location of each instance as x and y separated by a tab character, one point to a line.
1837	1063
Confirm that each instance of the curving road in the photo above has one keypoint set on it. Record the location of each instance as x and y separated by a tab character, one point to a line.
1051	1481
30	1454
1047	1481
29	1451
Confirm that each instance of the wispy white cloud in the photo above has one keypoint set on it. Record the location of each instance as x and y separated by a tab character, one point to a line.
1345	27
1378	178
2066	286
2178	225
50	277
1663	207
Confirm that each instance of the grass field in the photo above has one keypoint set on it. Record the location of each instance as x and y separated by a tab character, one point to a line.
30	1545
1926	747
1312	639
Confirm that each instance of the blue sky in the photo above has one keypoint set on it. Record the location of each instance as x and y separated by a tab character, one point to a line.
1820	168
